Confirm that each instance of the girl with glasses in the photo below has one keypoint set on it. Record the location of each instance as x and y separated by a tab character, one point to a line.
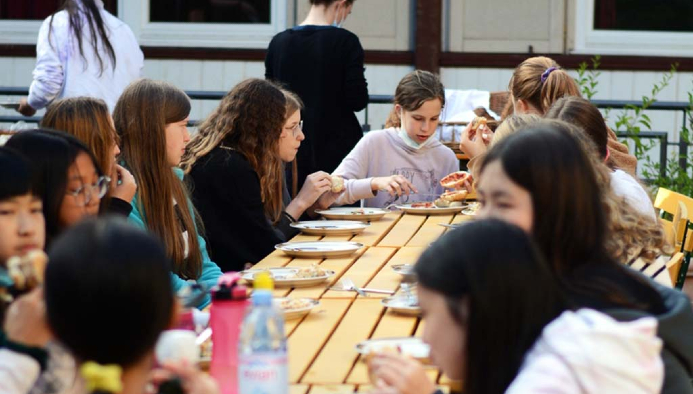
151	119
64	174
236	167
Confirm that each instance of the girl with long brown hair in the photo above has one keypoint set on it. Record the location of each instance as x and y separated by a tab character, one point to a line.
151	119
235	165
88	119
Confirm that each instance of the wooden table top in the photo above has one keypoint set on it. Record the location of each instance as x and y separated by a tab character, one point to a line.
322	355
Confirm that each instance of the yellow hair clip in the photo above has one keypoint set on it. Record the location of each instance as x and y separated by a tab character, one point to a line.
102	377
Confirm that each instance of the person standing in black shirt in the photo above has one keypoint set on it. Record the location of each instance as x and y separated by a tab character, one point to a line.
323	64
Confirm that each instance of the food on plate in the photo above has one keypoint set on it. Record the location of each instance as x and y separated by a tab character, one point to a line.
310	272
359	211
337	184
423	205
288	304
454	195
440	203
27	271
456	180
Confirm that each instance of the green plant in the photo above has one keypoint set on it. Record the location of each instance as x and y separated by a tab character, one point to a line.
633	120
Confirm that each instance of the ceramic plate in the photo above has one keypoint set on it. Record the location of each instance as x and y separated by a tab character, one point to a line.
402	305
301	307
361	214
331	227
287	277
429	211
408	346
319	249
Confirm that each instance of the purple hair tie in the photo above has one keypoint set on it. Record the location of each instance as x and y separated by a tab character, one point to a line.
546	73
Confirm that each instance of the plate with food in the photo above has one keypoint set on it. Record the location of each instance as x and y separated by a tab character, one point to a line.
403	305
319	249
331	227
407	346
361	214
295	308
292	277
431	208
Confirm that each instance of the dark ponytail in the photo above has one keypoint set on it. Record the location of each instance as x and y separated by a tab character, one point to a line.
94	23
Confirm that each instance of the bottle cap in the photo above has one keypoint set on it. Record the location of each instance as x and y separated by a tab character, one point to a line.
263	281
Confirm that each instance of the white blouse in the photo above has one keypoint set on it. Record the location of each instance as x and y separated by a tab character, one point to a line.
62	72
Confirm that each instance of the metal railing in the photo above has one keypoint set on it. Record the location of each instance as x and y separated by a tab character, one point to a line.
662	136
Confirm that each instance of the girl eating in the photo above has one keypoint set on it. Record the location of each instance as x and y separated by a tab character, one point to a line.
246	142
405	157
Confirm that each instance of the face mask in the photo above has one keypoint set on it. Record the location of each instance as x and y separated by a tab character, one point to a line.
407	140
335	23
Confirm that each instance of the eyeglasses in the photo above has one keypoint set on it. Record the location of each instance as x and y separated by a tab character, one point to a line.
295	129
85	193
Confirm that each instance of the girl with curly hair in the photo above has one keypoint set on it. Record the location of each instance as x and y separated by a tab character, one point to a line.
235	166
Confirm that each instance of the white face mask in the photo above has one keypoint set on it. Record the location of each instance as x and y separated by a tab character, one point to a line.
335	23
405	137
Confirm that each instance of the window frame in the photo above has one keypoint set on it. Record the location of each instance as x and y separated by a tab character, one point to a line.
588	40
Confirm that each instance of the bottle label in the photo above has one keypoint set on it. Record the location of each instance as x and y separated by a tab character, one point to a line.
263	374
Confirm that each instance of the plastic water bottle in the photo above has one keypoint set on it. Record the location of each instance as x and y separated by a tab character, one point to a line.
262	346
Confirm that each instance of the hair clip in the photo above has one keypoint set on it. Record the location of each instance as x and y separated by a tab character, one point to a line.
546	73
102	377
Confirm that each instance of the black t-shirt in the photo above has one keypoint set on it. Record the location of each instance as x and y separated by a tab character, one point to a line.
323	65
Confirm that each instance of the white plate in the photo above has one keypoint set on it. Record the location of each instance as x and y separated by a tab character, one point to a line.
331	227
285	277
295	313
319	249
361	214
429	211
408	346
400	304
471	209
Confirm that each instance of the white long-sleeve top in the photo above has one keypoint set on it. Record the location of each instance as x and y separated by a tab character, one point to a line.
61	70
18	372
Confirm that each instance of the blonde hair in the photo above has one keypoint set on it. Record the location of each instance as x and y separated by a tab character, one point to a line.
413	90
141	115
512	124
540	81
250	119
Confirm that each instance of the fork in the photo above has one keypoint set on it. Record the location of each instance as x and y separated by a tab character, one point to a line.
348	283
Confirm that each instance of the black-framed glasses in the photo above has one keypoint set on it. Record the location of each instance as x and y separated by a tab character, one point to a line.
85	193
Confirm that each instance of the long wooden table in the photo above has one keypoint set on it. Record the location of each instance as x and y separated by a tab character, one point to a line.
322	358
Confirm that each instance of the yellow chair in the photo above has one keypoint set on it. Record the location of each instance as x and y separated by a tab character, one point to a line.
674	266
677	231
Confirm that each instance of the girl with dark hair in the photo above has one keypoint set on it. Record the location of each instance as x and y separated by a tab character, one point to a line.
405	157
83	50
489	329
88	119
151	119
542	180
125	273
246	142
64	174
323	64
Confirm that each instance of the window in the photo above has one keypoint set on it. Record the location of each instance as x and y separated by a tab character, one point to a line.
175	23
634	27
206	23
210	11
644	15
20	20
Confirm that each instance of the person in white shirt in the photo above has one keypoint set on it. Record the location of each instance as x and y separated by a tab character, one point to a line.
83	50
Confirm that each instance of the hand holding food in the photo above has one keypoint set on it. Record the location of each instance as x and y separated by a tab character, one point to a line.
475	138
404	374
27	271
456	180
26	323
337	184
396	185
